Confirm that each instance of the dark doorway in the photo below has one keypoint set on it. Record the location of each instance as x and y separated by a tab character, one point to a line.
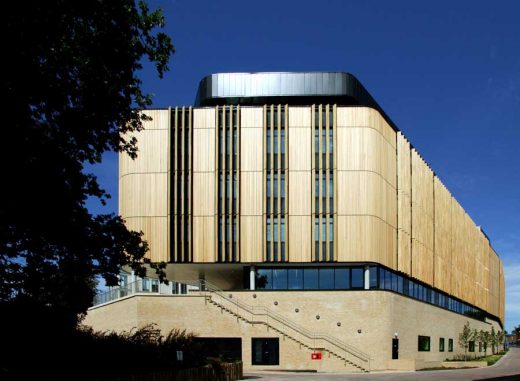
265	351
226	348
395	349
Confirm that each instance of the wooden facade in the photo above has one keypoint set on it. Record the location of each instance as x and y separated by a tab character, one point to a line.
382	201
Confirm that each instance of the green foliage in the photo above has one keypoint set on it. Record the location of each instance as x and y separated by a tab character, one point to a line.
71	93
465	337
485	338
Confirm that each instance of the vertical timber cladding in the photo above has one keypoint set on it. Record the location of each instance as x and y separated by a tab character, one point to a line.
459	260
323	190
181	137
228	183
204	185
366	177
442	236
300	178
276	211
404	206
252	217
143	184
422	219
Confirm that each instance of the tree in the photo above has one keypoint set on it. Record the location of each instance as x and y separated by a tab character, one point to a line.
465	337
484	337
493	339
516	333
71	93
500	339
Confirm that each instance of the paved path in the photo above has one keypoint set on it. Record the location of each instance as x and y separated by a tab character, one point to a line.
509	365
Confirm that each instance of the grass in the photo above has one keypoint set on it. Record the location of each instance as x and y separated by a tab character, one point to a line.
491	359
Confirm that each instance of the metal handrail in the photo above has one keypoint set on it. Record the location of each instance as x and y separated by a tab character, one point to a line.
204	285
119	292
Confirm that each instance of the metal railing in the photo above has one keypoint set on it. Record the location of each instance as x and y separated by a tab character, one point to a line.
363	359
253	314
118	292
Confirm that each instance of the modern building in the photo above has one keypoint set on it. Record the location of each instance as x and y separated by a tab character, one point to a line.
301	229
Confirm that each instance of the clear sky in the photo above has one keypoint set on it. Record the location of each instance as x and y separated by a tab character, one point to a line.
446	72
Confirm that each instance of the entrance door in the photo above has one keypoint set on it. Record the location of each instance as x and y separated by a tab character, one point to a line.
395	349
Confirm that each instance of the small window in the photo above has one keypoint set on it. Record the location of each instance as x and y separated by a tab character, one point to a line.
471	346
265	351
424	343
450	345
441	344
479	346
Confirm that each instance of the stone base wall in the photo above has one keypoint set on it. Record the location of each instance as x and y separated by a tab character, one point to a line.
368	320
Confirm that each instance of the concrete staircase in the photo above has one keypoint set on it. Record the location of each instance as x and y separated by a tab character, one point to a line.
288	329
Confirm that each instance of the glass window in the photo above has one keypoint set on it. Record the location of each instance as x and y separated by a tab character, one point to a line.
264	279
373	277
155	285
295	279
341	278
382	274
279	279
146	284
265	351
450	345
388	280
357	277
471	346
394	282
326	279
423	343
406	286
310	279
399	284
441	344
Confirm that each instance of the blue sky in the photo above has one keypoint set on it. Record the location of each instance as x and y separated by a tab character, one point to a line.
446	72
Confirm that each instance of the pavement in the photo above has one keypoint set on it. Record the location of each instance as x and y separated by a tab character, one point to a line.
507	369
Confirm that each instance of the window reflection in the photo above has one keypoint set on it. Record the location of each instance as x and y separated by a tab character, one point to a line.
310	279
344	278
326	279
280	279
357	277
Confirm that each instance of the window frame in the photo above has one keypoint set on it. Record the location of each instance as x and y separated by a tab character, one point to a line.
421	340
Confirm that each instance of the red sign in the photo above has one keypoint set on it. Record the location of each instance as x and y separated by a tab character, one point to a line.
316	356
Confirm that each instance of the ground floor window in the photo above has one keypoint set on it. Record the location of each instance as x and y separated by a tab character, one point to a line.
265	351
450	345
471	346
227	348
441	344
424	343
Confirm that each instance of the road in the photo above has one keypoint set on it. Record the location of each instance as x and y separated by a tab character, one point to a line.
507	369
